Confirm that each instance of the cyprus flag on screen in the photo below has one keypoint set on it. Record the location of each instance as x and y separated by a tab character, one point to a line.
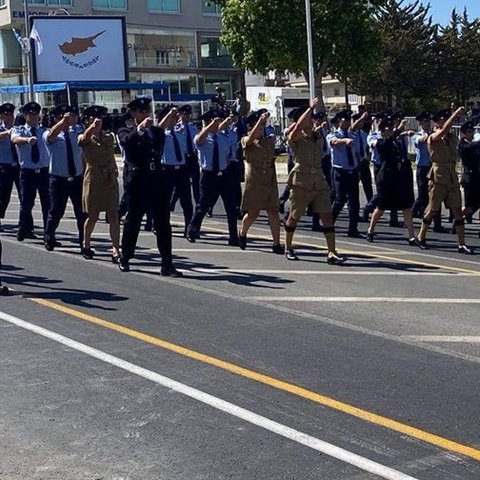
79	49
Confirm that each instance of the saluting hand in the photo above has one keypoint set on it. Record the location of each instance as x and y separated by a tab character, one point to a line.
314	102
264	117
97	123
147	123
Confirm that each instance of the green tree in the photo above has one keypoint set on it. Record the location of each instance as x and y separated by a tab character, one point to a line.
457	54
264	35
405	39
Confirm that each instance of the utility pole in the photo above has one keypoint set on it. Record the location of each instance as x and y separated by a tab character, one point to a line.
311	69
29	75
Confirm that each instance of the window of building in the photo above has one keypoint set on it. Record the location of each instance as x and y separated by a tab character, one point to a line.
109	4
49	3
336	91
2	3
169	6
163	57
210	7
214	54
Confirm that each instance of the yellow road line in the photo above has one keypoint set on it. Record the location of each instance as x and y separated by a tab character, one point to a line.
369	254
323	400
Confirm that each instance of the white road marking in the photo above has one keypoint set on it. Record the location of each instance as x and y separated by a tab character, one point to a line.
443	338
295	435
433	301
329	272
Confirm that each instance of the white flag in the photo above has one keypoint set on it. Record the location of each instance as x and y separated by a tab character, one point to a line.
36	37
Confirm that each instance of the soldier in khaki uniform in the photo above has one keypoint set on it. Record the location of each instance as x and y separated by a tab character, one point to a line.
443	179
307	182
261	190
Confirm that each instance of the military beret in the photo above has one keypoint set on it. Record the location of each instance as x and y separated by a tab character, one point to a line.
163	112
425	115
386	122
7	108
31	107
299	112
398	115
95	111
253	118
141	103
211	114
467	126
318	115
442	114
185	109
60	110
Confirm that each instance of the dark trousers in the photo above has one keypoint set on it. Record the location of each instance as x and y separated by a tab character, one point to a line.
9	175
421	201
31	182
148	192
366	178
194	178
346	185
178	182
122	209
213	186
234	176
60	191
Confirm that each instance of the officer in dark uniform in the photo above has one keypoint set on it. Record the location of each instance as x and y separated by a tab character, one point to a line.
34	161
213	151
345	164
125	127
66	171
174	163
9	169
148	187
365	173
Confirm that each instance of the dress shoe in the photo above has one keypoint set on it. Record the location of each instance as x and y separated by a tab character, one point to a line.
87	253
465	250
242	242
291	255
115	258
440	229
413	242
123	265
20	237
234	242
190	236
49	246
370	237
355	234
170	272
4	291
278	249
333	258
31	236
210	213
422	244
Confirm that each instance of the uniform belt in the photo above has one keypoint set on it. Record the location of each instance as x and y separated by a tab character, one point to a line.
209	172
346	170
172	167
36	170
69	179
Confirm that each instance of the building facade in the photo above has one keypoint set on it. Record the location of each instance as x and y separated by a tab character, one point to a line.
171	41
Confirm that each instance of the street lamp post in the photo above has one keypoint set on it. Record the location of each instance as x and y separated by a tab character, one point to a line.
29	52
311	69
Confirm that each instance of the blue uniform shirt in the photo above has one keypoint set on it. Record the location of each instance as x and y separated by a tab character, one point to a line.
233	139
173	154
422	156
205	151
371	139
340	157
6	154
25	151
180	130
58	153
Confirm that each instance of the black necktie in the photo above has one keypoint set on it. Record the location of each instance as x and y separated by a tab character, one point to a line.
362	148
35	151
176	146
14	152
72	171
189	140
351	161
216	155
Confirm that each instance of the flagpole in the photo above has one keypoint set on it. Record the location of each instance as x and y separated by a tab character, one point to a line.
311	68
29	53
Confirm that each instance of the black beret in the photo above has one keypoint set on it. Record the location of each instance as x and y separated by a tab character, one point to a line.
252	119
442	114
163	112
31	107
211	114
299	112
425	115
318	115
141	103
467	126
398	115
342	115
95	111
61	110
7	108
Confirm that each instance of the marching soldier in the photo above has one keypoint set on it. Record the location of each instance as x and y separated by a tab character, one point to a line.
66	172
213	152
9	169
148	187
34	160
359	120
444	185
308	184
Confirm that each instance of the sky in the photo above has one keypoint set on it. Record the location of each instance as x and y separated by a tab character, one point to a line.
441	9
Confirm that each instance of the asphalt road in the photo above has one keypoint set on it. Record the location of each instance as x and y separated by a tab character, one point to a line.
249	367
